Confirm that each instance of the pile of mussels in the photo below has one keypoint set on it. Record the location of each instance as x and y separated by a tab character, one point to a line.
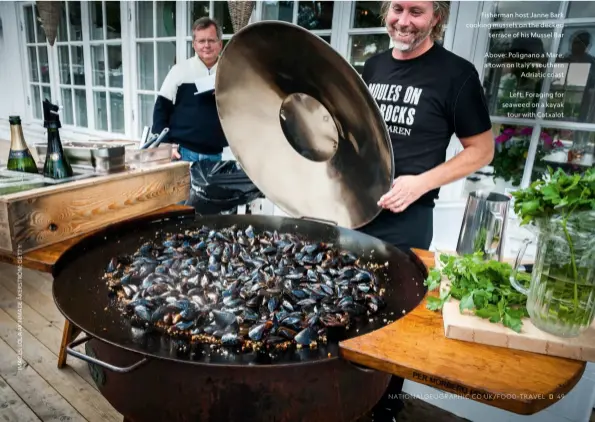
234	287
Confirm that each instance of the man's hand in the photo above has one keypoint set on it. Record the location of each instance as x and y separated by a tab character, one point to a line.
175	155
405	191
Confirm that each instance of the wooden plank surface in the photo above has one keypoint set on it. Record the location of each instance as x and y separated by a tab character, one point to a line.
38	395
43	216
87	400
43	259
415	348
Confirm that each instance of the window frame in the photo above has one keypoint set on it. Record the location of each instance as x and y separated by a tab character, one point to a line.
538	124
28	83
53	64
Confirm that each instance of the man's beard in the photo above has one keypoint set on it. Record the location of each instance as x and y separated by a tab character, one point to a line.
417	40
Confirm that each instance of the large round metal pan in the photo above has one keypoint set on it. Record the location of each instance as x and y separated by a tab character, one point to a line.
82	296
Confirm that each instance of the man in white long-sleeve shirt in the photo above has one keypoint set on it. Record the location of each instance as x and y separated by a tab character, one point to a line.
191	116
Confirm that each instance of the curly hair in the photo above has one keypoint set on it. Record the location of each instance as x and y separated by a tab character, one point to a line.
441	11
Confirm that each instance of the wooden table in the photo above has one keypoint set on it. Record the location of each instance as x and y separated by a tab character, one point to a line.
415	348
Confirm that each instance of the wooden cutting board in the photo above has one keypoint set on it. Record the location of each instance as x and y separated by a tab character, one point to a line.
468	327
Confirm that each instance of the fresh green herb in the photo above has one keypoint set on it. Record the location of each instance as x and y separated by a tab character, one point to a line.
560	194
562	207
481	286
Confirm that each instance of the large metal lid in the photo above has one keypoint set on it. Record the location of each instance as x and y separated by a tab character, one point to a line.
303	125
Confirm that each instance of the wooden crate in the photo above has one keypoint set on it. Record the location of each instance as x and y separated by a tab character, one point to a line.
43	216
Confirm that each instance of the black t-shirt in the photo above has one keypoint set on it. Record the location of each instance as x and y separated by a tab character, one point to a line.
424	101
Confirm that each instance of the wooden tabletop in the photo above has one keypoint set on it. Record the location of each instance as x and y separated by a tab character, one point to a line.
44	259
415	348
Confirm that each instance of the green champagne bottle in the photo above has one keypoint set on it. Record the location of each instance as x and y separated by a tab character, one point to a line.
19	157
56	164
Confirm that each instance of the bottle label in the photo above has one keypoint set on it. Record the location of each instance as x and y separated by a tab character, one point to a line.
19	154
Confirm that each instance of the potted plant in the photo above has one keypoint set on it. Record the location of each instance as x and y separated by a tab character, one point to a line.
560	209
512	148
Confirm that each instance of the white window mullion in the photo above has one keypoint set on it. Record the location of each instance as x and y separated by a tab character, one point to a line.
106	68
127	74
337	25
53	64
182	20
296	9
257	14
24	58
86	29
133	70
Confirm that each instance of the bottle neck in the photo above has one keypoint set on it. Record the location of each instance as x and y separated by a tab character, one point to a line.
17	140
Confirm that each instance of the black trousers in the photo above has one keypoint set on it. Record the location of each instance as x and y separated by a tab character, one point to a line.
413	228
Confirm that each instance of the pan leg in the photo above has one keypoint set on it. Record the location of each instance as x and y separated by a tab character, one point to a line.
69	333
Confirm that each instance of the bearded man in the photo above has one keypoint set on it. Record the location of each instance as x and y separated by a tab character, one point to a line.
425	94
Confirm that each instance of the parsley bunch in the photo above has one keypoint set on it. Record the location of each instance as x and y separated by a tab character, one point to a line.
560	194
481	286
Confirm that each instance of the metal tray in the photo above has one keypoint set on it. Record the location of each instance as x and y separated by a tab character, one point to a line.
104	157
15	178
143	158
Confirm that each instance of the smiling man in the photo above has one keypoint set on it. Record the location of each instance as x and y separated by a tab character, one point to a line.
191	116
425	94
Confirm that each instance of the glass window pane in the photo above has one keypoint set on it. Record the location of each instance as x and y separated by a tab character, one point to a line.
114	53
166	18
98	65
29	24
44	68
315	14
75	21
221	13
41	39
117	112
100	103
327	38
514	71
96	20
572	95
67	115
366	14
80	107
525	10
64	64
145	58
570	149
278	10
512	145
166	58
144	19
197	9
78	65
33	67
36	101
362	47
581	9
46	93
113	24
146	104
